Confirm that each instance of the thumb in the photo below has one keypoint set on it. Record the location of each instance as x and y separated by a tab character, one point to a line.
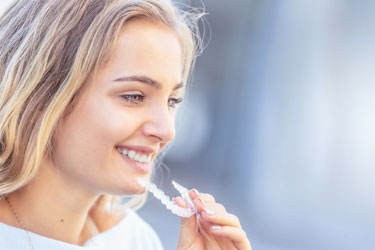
188	227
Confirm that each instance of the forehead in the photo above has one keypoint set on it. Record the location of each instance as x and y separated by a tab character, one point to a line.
147	48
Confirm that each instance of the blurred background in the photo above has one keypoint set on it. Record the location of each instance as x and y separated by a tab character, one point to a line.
279	124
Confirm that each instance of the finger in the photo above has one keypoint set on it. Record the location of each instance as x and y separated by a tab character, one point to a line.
204	224
221	218
199	204
193	193
206	198
237	235
209	207
180	202
217	207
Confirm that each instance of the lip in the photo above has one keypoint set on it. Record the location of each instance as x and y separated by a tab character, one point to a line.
141	149
144	167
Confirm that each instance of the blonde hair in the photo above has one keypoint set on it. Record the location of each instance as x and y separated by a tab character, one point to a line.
48	48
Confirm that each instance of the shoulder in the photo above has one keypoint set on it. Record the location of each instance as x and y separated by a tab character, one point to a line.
12	237
142	233
131	232
138	222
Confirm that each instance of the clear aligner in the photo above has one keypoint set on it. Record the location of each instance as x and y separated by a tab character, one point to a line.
185	195
159	194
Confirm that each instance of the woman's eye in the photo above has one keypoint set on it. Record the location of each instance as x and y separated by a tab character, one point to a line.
136	99
172	102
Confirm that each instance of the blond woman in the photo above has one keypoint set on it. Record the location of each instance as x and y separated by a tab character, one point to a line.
88	96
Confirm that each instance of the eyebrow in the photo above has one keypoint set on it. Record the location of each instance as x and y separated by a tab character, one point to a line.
145	80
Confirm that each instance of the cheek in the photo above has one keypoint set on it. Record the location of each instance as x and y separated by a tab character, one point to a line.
88	135
99	125
112	123
85	135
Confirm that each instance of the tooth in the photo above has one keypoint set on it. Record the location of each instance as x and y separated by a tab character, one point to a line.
131	154
124	152
144	158
149	159
140	159
136	157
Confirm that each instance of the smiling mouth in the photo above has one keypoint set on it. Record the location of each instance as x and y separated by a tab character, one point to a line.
136	156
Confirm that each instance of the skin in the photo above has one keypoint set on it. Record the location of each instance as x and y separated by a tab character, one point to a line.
109	112
86	163
198	234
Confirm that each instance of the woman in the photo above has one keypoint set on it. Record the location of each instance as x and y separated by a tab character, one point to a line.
82	82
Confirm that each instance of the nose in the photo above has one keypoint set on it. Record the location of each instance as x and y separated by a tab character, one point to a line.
160	125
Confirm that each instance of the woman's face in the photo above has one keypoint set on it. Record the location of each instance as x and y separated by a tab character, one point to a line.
128	106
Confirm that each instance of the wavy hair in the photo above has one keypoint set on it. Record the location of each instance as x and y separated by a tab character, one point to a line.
48	48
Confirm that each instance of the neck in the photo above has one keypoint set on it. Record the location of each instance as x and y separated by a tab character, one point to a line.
52	206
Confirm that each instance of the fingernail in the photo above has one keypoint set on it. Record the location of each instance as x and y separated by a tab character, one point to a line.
209	211
215	227
174	202
196	192
200	199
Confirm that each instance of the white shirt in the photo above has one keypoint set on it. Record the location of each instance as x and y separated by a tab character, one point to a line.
131	233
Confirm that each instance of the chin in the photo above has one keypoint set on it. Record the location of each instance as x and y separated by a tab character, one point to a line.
137	189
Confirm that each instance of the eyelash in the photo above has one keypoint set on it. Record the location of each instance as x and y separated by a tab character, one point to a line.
130	98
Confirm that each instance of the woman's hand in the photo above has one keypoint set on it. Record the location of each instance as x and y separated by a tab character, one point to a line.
212	229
